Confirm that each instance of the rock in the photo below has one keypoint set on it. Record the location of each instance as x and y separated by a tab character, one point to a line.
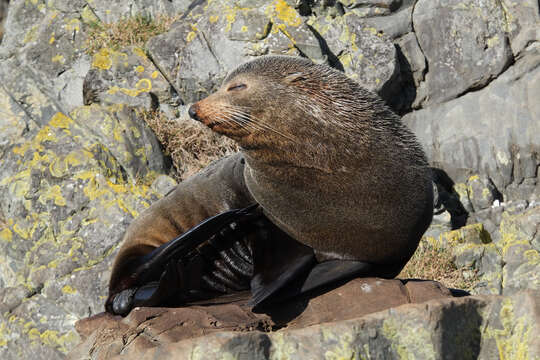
481	327
521	259
164	185
43	63
408	44
104	334
486	131
474	252
126	77
481	192
464	43
522	23
66	198
3	13
395	20
358	47
109	12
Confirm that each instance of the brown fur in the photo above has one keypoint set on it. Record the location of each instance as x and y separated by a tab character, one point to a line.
328	161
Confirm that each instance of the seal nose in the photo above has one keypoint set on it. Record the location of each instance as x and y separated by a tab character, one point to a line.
193	113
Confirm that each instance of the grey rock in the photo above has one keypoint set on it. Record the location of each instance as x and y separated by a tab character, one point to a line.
464	42
521	258
408	44
481	192
44	60
129	140
110	12
398	20
66	199
522	23
126	77
3	14
164	184
475	133
364	54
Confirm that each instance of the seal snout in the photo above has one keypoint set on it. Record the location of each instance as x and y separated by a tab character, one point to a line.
193	112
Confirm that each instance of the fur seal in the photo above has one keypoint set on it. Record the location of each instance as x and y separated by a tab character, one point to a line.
330	164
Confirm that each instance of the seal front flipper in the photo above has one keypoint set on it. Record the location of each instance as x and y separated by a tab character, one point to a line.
152	279
278	260
328	273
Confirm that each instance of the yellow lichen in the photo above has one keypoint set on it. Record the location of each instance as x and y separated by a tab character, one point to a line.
54	193
73	25
6	235
285	13
143	85
88	16
102	59
58	58
59	120
33	334
513	339
68	290
190	36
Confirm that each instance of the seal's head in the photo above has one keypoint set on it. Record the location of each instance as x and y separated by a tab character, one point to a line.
289	104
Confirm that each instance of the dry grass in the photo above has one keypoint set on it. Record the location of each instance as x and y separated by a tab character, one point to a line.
132	31
191	145
434	263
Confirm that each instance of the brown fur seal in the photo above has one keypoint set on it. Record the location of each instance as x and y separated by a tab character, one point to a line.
330	164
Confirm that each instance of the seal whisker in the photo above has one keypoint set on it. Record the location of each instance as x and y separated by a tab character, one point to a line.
262	126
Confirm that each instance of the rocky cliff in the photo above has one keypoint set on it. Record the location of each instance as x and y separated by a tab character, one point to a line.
78	163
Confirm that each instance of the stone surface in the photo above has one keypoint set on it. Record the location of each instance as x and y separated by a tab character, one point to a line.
481	327
464	42
3	14
105	334
126	77
522	23
109	12
364	54
492	131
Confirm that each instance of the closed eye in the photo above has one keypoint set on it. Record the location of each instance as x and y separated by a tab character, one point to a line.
237	87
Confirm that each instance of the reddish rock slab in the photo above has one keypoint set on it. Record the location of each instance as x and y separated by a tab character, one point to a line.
105	336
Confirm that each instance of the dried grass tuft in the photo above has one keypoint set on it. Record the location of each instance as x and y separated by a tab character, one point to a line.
131	31
434	263
191	145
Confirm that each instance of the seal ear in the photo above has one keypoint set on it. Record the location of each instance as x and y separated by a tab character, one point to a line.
295	77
